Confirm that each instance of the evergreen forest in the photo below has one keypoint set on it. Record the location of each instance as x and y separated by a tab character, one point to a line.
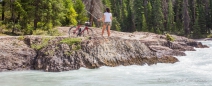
190	18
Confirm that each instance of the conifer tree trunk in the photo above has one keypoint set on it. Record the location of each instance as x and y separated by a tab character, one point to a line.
145	8
13	15
210	24
36	14
186	18
91	12
165	13
3	9
170	18
207	9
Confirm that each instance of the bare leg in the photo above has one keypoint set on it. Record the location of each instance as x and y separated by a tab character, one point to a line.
108	30
103	29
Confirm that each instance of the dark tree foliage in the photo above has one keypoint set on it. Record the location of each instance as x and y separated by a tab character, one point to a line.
191	18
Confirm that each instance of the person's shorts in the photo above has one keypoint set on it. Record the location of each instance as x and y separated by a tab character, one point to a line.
107	23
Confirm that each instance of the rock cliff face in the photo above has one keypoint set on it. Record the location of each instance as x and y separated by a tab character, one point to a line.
17	53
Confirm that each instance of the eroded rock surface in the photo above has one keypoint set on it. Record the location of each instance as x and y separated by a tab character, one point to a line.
18	54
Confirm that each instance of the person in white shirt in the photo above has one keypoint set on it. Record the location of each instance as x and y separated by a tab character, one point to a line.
107	21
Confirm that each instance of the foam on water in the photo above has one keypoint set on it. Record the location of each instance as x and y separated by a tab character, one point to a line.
192	70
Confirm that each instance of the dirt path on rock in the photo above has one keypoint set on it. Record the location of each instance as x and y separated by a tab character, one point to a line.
97	33
124	35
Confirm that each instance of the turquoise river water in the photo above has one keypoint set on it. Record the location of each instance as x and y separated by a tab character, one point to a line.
195	69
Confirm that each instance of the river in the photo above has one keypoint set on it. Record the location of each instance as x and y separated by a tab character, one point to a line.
195	69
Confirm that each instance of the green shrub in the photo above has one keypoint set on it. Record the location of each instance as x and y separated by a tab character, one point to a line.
2	27
53	32
73	42
50	52
42	44
115	25
21	38
209	36
68	53
28	29
169	37
39	32
50	32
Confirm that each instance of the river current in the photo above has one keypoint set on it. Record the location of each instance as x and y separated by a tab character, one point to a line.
195	69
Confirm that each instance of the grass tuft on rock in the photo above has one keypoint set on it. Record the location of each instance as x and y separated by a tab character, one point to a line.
39	46
73	42
169	38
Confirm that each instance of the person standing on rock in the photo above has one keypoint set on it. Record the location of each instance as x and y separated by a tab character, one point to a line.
107	21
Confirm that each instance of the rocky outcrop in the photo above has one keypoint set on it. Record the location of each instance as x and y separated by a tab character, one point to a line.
17	53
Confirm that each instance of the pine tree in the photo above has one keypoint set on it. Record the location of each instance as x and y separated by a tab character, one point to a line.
144	24
210	14
71	14
27	16
116	8
157	17
57	12
124	15
178	17
51	13
197	31
192	13
15	15
186	18
115	25
149	17
36	13
107	3
196	27
170	20
138	11
130	24
80	9
2	10
202	19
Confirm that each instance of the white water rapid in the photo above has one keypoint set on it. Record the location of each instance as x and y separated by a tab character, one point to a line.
195	69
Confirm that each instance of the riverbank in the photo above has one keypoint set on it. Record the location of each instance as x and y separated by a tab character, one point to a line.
54	54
